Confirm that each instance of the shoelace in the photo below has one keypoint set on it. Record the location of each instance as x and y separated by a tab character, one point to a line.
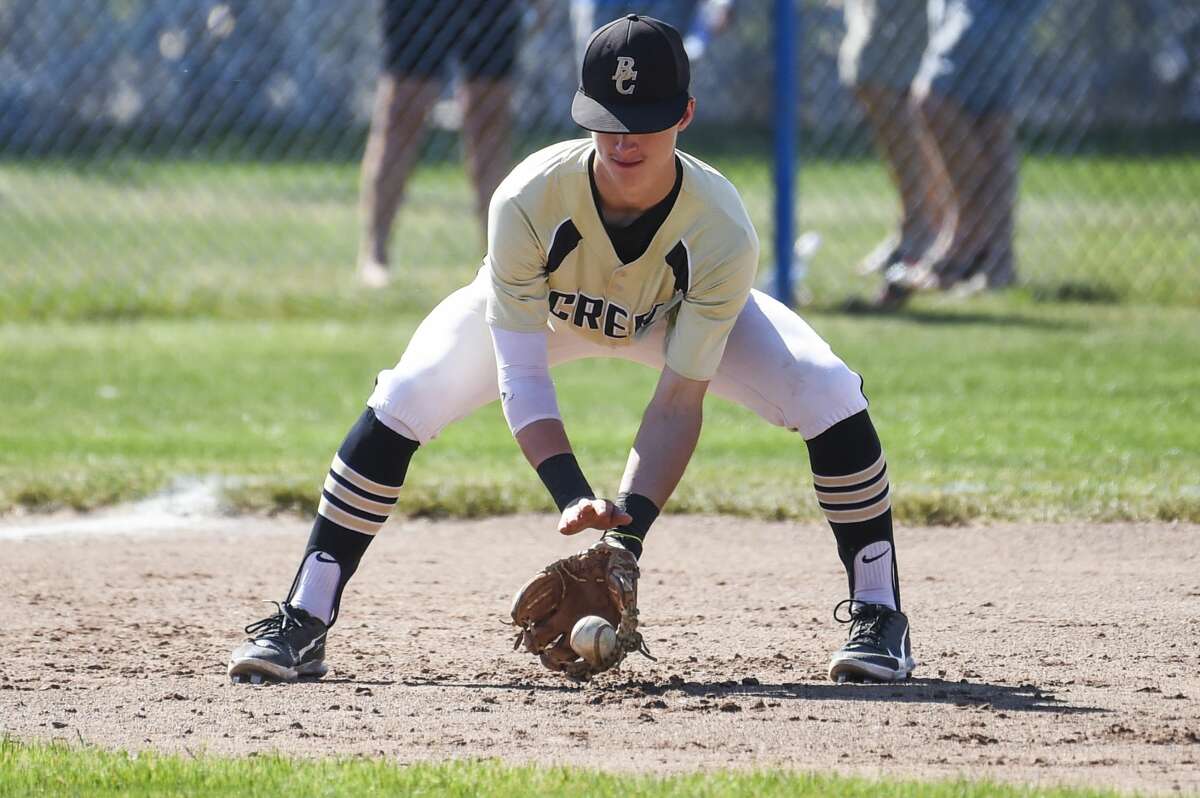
277	623
866	621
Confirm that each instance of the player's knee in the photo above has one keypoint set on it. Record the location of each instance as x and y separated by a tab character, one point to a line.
402	403
830	393
844	397
845	385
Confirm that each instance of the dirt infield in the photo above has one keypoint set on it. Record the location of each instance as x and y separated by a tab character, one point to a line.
1049	654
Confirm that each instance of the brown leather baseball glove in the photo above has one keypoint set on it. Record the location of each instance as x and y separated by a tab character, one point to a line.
600	580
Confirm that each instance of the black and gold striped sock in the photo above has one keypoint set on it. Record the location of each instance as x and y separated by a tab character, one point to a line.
360	490
851	480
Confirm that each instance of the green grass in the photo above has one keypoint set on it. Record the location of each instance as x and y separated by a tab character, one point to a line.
55	769
128	239
171	320
998	408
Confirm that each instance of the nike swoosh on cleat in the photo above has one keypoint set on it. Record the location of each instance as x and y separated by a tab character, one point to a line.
866	560
309	647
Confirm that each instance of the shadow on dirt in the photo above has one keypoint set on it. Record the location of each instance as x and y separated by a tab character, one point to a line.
364	685
982	695
1001	697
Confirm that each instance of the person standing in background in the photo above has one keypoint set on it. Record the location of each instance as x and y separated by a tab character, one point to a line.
421	38
938	80
698	20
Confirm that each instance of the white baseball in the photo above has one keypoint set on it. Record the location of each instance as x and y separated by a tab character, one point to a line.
594	639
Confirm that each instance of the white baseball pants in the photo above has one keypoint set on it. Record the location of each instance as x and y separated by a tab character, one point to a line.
774	364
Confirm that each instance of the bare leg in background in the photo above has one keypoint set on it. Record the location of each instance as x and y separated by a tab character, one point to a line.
998	132
969	167
487	138
898	131
393	145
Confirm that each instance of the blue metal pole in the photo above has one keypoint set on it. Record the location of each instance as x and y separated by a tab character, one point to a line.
785	141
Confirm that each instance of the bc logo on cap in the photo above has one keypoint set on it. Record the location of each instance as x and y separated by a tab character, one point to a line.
624	74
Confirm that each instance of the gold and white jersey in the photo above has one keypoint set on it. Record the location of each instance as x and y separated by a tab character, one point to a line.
551	261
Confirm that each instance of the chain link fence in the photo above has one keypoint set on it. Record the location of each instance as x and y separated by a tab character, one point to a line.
1049	143
194	157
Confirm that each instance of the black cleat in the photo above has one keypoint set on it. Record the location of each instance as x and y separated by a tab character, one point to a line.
281	648
878	649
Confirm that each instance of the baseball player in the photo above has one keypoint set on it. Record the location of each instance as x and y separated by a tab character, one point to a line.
621	246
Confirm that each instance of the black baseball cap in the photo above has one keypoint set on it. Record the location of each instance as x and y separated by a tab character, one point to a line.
634	79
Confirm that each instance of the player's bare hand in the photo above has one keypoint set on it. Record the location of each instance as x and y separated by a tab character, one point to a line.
591	514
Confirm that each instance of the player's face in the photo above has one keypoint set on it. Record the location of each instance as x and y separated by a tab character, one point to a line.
628	156
634	161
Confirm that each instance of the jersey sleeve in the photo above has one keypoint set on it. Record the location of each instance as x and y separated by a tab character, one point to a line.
709	309
516	259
